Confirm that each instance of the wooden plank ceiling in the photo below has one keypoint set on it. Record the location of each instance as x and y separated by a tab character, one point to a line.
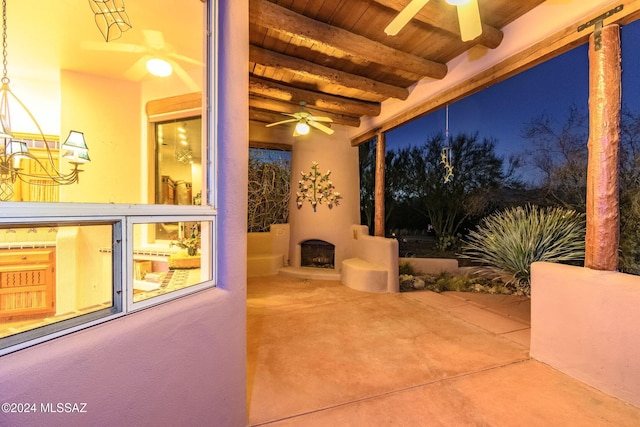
334	56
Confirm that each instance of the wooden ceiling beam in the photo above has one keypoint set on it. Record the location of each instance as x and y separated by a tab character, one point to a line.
269	15
270	145
318	72
554	45
491	37
270	104
322	101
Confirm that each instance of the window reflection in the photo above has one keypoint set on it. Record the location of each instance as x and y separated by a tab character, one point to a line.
53	273
179	161
162	266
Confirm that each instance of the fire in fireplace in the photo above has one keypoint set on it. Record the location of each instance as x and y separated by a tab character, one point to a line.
317	253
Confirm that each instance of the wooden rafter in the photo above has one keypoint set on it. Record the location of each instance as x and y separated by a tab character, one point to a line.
280	19
321	101
378	90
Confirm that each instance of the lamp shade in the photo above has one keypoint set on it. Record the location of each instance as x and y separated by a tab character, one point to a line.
77	156
16	148
75	142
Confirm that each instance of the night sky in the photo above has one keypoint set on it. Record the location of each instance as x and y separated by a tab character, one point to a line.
502	110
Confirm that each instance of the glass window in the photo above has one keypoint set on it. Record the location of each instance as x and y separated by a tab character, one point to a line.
65	266
172	262
54	276
81	137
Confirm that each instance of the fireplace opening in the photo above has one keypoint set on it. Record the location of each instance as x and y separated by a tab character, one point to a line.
317	253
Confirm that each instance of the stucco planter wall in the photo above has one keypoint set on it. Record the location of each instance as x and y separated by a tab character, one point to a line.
586	323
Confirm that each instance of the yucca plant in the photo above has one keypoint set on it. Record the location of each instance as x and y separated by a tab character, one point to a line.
507	242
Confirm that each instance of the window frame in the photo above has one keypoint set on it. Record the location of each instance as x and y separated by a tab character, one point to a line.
123	216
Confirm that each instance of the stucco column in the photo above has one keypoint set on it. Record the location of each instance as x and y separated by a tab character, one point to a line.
603	216
378	220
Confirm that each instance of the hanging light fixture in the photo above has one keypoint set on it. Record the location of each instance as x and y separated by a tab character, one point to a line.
14	150
110	18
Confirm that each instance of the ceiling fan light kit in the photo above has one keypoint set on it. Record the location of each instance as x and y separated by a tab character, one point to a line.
302	128
159	67
304	122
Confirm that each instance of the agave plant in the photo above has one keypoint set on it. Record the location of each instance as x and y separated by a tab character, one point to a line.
507	242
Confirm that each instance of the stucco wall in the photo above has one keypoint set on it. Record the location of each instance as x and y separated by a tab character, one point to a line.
585	323
179	363
335	153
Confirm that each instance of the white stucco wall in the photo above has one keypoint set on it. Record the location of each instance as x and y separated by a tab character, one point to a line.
178	363
585	323
334	153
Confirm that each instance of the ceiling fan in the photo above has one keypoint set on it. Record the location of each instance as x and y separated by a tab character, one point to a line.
468	17
305	121
154	50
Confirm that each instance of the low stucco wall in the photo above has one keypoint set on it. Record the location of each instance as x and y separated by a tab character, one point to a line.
585	323
432	265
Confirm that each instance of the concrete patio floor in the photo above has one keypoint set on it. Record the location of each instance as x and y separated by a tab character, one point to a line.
322	354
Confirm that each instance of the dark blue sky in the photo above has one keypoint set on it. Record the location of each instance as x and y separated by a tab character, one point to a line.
502	110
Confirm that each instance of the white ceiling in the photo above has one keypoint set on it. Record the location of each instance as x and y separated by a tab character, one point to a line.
46	36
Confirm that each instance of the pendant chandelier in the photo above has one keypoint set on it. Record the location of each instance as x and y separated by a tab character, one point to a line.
16	162
110	17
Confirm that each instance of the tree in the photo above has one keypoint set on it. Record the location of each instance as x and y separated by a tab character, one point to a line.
559	150
269	189
468	195
367	159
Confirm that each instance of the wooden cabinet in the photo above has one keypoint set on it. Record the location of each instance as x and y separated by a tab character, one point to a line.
27	282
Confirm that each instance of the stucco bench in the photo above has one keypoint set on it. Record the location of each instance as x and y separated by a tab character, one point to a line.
267	251
264	264
363	275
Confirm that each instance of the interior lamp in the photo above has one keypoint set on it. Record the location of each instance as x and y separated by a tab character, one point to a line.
43	170
77	148
159	67
457	2
110	18
302	128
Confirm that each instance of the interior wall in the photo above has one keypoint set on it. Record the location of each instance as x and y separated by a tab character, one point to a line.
334	153
107	111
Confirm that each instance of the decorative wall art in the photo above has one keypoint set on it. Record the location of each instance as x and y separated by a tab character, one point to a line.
317	188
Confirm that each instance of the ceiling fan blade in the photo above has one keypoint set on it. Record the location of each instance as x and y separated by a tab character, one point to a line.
138	70
404	16
154	39
113	47
321	119
281	122
321	127
186	59
185	77
469	20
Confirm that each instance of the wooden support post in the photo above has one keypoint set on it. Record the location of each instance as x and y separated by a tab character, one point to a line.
603	217
378	221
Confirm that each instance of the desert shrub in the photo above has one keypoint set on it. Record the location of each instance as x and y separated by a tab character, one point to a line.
406	267
507	242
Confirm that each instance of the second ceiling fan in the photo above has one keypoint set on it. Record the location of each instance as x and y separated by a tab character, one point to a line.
468	17
304	120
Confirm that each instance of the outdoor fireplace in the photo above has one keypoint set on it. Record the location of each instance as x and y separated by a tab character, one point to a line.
317	253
